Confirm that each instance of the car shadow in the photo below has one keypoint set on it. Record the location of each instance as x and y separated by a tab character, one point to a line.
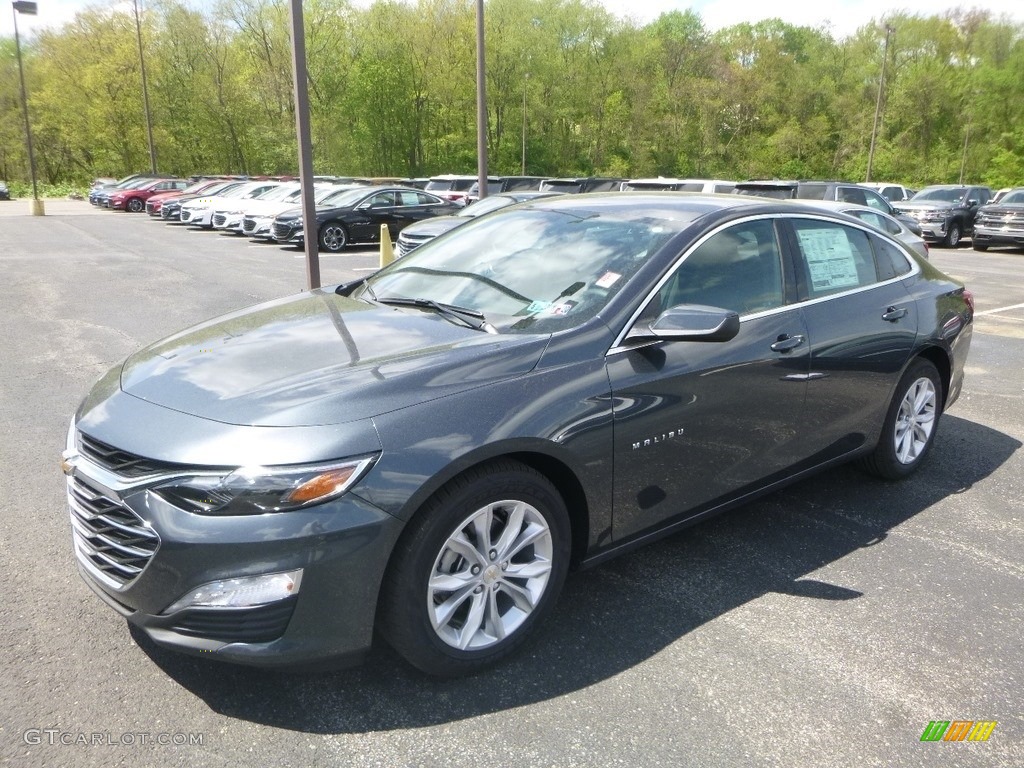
622	613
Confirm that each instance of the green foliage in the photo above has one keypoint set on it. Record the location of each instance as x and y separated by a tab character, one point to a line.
392	93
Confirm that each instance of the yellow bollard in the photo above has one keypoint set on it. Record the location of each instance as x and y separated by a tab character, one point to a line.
387	251
38	209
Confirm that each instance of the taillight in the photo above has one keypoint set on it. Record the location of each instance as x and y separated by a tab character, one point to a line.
969	299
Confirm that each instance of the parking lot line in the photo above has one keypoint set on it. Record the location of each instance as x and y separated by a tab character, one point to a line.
1001	309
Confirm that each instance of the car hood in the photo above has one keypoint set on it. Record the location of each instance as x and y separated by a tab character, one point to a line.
319	358
999	209
436	226
213	201
262	207
925	205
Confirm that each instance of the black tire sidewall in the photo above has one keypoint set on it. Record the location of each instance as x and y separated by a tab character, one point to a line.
884	460
959	230
406	622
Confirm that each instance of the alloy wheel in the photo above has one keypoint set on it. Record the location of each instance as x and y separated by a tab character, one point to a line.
915	420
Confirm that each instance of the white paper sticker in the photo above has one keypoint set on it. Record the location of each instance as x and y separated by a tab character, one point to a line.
830	259
607	280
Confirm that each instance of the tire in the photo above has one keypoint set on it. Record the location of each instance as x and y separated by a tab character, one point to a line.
980	246
449	604
134	205
953	235
333	237
910	423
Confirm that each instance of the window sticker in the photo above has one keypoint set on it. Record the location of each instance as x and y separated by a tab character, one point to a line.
561	310
538	306
830	259
607	280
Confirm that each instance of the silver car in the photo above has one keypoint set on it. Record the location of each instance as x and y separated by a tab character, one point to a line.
883	222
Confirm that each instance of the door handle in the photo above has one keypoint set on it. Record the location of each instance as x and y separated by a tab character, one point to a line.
892	314
787	342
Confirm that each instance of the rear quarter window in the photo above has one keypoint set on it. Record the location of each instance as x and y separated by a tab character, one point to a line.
890	261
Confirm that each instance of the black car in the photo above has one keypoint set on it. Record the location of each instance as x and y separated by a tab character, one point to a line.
5	193
946	212
415	235
427	451
356	215
1000	223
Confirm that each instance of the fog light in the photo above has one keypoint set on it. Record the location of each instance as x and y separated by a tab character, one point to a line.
244	592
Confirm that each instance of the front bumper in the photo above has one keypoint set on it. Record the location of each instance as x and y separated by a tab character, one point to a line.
287	233
985	235
140	554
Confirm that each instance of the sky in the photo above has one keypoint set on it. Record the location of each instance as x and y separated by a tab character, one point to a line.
842	17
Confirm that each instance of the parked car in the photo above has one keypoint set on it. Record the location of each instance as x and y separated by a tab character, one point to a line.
451	187
134	199
356	216
1000	194
1000	223
894	193
840	191
228	215
946	212
198	212
718	186
155	202
99	194
498	184
5	193
426	451
574	186
415	235
883	222
258	217
170	208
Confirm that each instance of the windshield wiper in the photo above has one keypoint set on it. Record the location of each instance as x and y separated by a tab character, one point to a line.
449	311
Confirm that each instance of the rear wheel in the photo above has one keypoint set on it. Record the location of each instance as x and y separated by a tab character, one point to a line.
953	235
480	565
910	423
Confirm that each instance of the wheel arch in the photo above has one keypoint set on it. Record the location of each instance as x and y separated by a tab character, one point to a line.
943	363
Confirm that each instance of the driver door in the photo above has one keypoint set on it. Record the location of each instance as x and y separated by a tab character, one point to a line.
697	422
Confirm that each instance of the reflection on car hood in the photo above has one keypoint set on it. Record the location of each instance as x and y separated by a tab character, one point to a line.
1002	209
436	226
320	358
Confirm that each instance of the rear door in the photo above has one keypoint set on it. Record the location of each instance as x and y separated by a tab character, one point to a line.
861	325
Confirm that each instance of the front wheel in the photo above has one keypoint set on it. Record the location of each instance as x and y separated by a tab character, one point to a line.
953	235
333	237
910	423
479	566
135	205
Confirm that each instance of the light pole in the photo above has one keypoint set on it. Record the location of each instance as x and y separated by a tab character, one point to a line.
29	9
481	105
526	79
145	90
878	104
303	133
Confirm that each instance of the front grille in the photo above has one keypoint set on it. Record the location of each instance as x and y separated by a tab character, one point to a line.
238	625
120	462
169	212
109	537
282	231
248	225
219	219
185	215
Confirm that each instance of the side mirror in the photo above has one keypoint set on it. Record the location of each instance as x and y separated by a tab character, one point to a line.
972	203
691	322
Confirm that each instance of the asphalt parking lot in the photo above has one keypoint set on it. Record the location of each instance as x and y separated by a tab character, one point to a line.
825	625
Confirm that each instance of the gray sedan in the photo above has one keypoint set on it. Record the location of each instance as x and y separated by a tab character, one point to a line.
883	222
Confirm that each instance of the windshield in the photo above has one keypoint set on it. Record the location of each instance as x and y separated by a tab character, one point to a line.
1013	198
531	270
945	195
282	192
343	197
775	193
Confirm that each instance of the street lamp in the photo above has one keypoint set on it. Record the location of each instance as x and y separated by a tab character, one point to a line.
145	90
29	9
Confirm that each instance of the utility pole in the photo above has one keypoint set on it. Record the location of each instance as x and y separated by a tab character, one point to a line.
878	104
29	9
145	90
311	234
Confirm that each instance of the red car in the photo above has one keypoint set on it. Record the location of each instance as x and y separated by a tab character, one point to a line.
155	202
134	200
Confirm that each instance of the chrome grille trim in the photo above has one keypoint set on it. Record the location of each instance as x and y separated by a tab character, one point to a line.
112	543
219	219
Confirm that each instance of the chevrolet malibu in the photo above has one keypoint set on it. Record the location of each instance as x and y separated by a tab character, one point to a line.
427	451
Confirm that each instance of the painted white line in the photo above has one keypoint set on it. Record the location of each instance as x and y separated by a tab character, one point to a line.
365	269
1001	309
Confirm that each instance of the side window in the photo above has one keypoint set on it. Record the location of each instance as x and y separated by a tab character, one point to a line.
851	195
876	201
382	200
724	189
889	260
409	198
422	199
834	257
738	268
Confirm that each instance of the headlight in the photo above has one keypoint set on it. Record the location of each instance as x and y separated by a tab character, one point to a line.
257	490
